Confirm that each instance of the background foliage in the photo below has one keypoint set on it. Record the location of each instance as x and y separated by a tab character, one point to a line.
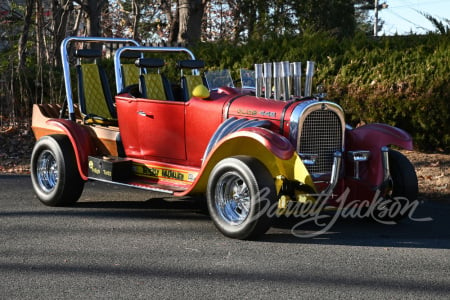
402	80
399	80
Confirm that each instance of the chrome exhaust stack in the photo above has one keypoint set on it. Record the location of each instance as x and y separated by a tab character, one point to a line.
267	80
285	80
308	79
297	78
286	77
277	77
259	80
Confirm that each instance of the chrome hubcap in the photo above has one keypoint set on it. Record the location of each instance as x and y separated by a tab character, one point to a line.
232	198
47	171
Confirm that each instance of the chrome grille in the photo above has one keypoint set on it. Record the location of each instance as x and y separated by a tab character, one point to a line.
321	134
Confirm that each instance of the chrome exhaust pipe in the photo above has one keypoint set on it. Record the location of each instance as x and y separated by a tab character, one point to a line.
285	80
277	80
309	77
297	78
267	80
259	80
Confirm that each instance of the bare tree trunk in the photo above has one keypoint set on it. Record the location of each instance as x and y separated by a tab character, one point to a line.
24	36
61	13
93	9
93	19
173	21
184	10
39	53
77	22
22	78
137	17
190	18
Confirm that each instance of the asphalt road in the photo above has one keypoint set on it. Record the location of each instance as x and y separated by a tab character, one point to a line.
119	243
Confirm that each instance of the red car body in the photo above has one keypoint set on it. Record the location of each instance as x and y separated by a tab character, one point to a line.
175	146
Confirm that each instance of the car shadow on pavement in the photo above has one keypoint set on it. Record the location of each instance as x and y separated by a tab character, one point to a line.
154	208
427	227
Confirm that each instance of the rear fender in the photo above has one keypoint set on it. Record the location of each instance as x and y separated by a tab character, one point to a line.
81	142
271	149
373	137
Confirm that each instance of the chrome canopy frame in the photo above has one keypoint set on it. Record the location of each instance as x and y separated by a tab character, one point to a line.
66	65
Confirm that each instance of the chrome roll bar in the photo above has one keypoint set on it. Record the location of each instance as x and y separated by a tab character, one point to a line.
118	71
66	66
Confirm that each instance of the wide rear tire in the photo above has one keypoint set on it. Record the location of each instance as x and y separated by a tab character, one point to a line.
54	172
240	193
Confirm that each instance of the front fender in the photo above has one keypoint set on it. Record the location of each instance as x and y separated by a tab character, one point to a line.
272	149
377	135
373	137
81	142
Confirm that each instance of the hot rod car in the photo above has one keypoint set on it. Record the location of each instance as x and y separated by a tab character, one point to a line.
249	150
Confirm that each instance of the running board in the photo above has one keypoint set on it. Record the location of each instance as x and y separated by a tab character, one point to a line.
137	185
119	171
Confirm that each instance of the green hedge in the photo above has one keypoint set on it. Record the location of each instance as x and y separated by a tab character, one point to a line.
402	81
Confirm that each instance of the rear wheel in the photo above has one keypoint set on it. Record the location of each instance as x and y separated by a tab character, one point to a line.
54	172
240	192
398	202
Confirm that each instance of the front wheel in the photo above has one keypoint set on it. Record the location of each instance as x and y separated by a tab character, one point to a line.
239	194
399	202
54	172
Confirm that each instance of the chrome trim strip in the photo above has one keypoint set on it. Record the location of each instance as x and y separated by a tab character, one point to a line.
224	127
227	106
283	114
232	125
295	117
